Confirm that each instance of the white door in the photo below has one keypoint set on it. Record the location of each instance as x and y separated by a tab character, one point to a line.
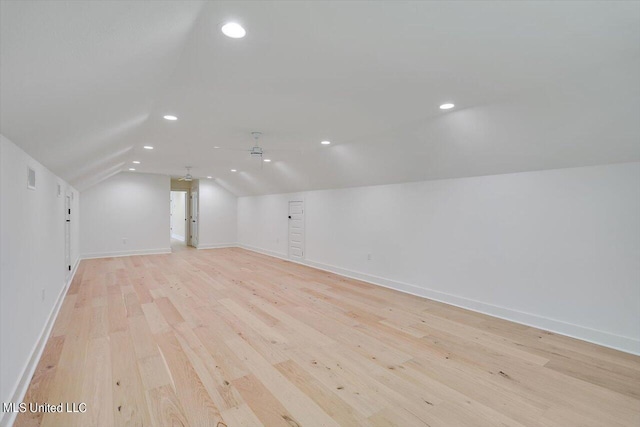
296	230
67	235
194	219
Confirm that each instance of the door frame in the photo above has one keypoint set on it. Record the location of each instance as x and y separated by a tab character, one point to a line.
194	193
68	198
186	213
189	188
304	228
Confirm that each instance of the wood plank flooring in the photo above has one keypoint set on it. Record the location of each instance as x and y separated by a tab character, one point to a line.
228	337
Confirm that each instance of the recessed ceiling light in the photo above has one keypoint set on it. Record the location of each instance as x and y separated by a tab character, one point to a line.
136	162
233	30
446	106
267	160
170	117
132	169
325	142
209	177
233	170
216	147
148	147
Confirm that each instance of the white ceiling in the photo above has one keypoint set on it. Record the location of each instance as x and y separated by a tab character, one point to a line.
537	85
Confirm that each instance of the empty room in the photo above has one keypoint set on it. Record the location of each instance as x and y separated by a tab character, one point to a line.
320	213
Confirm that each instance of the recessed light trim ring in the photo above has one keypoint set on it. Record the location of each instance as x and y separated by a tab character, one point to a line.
233	30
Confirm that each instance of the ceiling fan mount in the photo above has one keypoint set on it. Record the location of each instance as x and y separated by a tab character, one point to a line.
188	177
256	151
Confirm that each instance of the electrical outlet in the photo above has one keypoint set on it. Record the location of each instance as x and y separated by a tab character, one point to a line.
369	257
124	240
42	294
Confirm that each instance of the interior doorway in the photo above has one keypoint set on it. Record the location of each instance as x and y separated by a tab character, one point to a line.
178	217
193	213
183	210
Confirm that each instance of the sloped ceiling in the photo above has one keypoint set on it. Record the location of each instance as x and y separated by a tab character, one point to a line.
537	85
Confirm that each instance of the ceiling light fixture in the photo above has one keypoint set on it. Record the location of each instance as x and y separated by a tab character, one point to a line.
267	160
148	147
325	142
136	162
216	147
132	169
209	177
233	170
170	117
446	106
233	30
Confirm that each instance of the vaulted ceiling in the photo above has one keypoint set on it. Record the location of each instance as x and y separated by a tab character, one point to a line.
537	85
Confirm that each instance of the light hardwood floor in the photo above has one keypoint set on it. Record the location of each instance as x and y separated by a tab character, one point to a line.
230	337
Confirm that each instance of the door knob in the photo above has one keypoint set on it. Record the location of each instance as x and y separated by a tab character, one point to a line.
289	216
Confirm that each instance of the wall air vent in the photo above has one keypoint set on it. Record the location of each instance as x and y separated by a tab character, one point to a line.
31	178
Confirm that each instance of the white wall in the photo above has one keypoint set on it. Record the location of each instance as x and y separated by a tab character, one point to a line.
217	215
557	249
32	261
126	214
178	214
263	223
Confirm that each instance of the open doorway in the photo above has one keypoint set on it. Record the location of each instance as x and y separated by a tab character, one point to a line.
178	217
183	211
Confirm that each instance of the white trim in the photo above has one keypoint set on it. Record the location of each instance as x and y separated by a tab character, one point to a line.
22	385
178	237
218	246
607	339
264	251
127	253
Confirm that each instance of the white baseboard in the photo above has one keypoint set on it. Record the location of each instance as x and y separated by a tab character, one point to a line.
177	237
218	246
607	339
266	252
20	389
126	253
